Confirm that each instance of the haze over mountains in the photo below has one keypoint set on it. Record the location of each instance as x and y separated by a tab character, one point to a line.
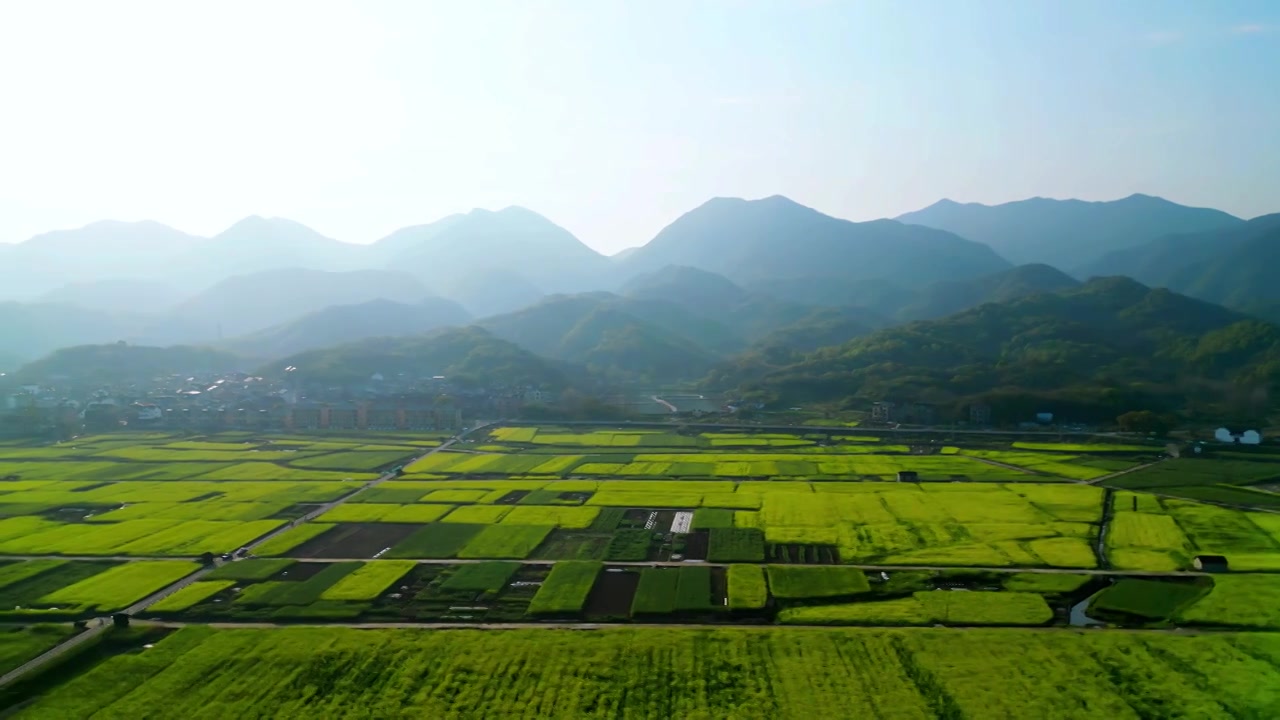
740	289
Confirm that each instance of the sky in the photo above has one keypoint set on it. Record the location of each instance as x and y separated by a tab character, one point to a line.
613	118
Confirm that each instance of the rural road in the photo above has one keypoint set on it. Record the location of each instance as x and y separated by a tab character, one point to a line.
670	626
625	563
665	404
1126	471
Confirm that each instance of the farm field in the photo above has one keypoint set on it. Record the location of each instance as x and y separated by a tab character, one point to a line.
552	673
893	523
20	644
1155	533
72	588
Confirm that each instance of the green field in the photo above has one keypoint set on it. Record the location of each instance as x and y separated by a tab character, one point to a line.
1247	601
747	588
1154	533
922	673
20	644
566	588
946	607
797	582
1150	599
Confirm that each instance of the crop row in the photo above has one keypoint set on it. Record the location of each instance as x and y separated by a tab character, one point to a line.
664	673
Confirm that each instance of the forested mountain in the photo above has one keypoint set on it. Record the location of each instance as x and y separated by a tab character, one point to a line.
1088	353
753	241
464	355
618	337
1067	234
749	315
952	296
348	323
488	292
119	364
1233	266
510	241
247	303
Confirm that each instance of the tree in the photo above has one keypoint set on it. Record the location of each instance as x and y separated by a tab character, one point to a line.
1145	421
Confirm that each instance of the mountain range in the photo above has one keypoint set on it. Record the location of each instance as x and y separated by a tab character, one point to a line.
1068	234
742	293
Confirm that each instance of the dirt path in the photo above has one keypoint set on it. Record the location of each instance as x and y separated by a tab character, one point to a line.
1007	466
1126	471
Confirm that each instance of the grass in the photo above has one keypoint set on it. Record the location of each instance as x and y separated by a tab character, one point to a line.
191	595
1149	599
747	589
369	581
566	588
436	540
486	577
791	582
669	673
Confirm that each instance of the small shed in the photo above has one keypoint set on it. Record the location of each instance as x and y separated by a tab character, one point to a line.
1210	563
908	476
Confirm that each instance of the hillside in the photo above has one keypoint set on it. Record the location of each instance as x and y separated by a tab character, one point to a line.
348	323
120	364
1093	352
749	315
1067	234
513	240
1231	266
617	337
952	296
244	304
122	295
464	355
754	241
31	330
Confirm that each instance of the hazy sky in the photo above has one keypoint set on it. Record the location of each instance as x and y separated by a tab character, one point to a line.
612	118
